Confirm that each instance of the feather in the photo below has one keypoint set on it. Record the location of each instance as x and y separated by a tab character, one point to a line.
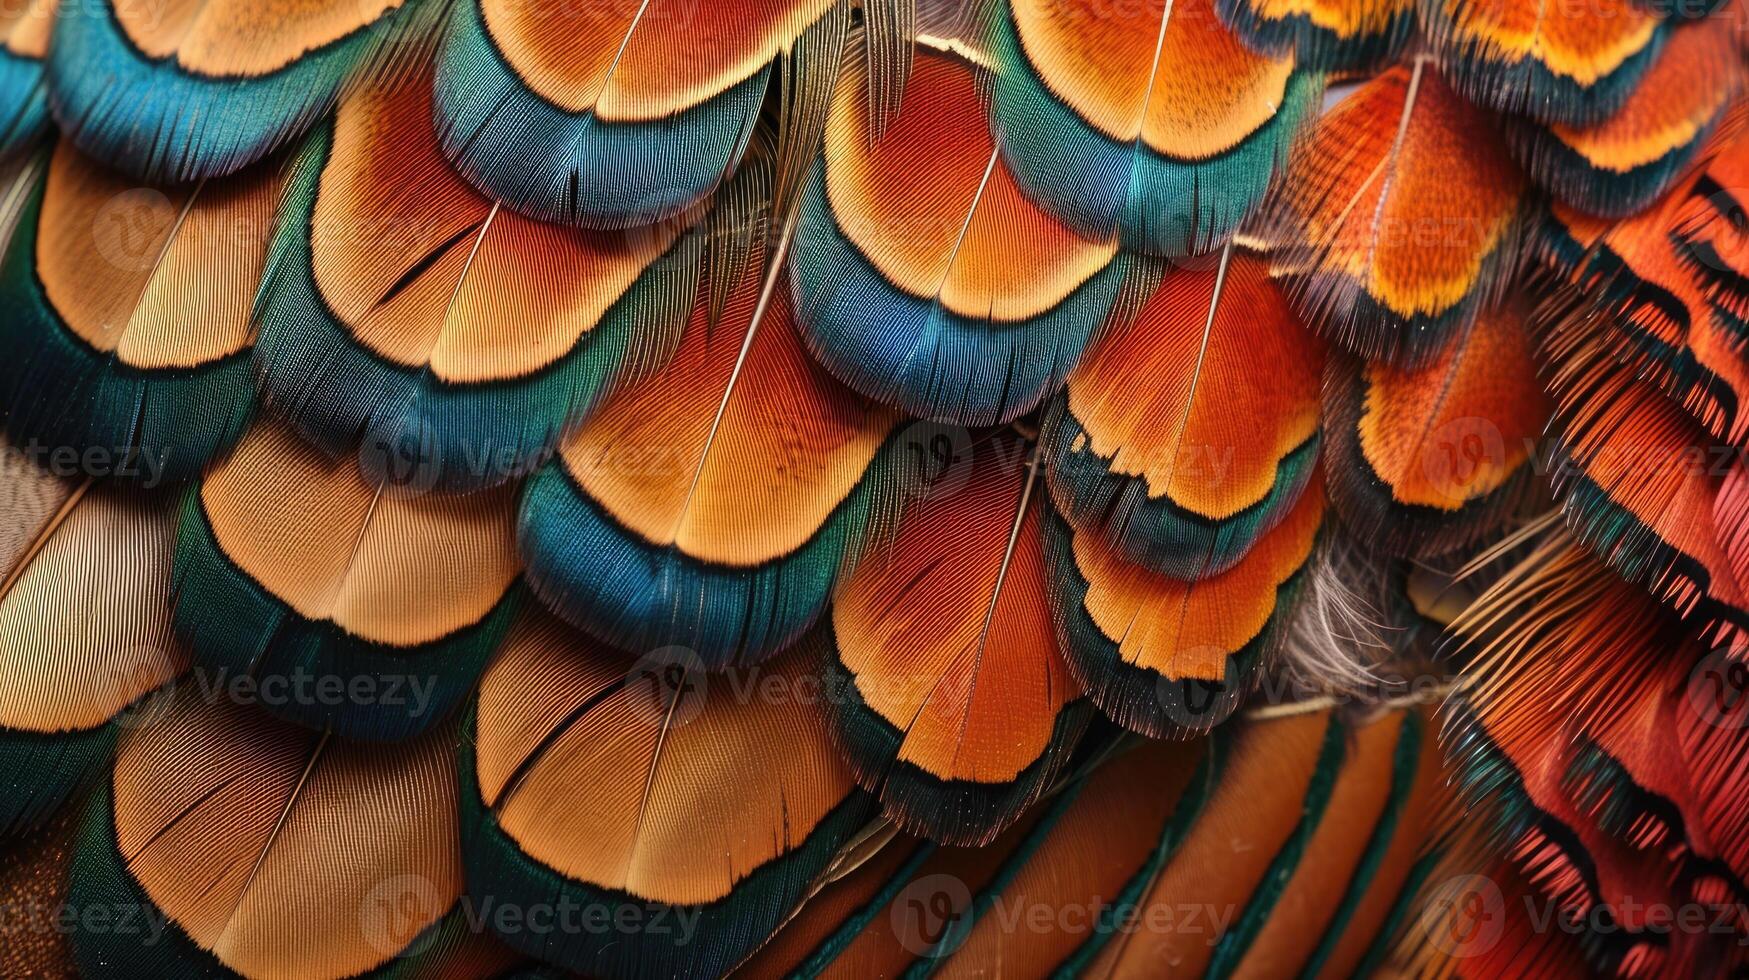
714	503
1325	35
1280	848
1714	744
297	576
1467	928
952	701
1303	888
1623	163
1165	656
612	115
1556	64
887	916
237	838
130	329
1164	441
825	937
1352	627
1144	121
454	352
1712	241
890	30
172	92
1425	461
1662	286
1571	753
85	637
24	42
1395	221
693	811
1638	481
959	300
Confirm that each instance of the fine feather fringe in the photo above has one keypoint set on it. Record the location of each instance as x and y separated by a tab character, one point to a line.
18	174
807	78
889	30
1338	636
1347	309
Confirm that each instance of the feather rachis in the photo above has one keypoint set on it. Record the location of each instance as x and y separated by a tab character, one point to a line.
1163	444
956	707
1398	218
1173	132
657	752
933	302
470	347
739	397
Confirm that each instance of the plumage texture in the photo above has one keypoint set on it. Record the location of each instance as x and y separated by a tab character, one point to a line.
950	696
1605	794
131	312
1661	289
959	299
1424	461
611	115
458	358
652	749
675	546
1165	444
1147	122
873	488
1166	656
293	566
1574	65
24	42
286	826
1396	219
1621	164
1335	35
1301	883
85	631
1639	483
187	91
